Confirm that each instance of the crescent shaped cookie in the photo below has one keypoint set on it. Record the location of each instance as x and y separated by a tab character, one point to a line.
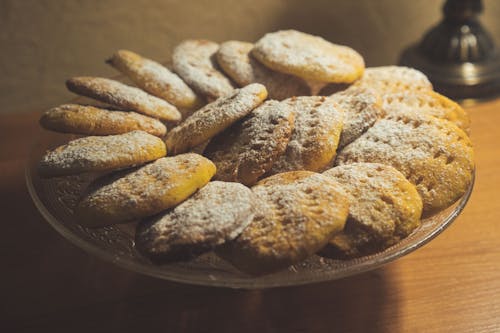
194	61
248	149
124	97
298	213
384	208
143	192
201	223
315	136
214	118
155	78
235	59
101	153
433	154
90	120
309	57
429	102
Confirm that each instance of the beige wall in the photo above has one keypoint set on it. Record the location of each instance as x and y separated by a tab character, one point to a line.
44	42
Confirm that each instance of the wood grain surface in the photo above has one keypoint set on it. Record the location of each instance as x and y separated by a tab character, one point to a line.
450	285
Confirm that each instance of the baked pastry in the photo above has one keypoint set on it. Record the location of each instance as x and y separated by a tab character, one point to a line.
298	213
155	78
248	149
429	102
194	61
384	207
214	118
135	194
391	79
315	136
202	222
101	153
362	107
235	58
433	154
309	57
123	97
90	120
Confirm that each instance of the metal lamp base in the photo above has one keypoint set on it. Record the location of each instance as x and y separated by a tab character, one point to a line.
458	55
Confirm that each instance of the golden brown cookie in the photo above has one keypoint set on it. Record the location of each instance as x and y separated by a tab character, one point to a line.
384	208
214	118
391	79
362	107
143	192
430	102
309	57
202	222
90	120
235	59
249	148
155	78
101	153
298	213
433	154
194	61
315	136
124	97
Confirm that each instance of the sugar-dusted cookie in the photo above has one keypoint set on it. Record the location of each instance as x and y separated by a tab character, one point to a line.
202	222
194	61
235	59
390	79
429	102
249	148
384	208
432	153
309	57
154	78
362	108
101	153
90	120
145	191
124	97
298	213
315	136
214	118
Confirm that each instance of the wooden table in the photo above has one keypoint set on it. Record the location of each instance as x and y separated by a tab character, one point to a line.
450	285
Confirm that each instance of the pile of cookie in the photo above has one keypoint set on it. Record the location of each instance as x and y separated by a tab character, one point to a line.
265	153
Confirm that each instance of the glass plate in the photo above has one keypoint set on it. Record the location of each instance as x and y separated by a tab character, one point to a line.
55	198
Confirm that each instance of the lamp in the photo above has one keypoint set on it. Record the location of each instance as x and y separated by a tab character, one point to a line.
458	55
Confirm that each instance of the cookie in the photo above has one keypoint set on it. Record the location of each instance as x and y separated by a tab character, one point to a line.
384	208
430	102
145	191
309	57
237	62
433	154
194	61
249	148
101	153
214	118
155	78
391	79
202	222
90	120
315	136
124	97
298	213
362	108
